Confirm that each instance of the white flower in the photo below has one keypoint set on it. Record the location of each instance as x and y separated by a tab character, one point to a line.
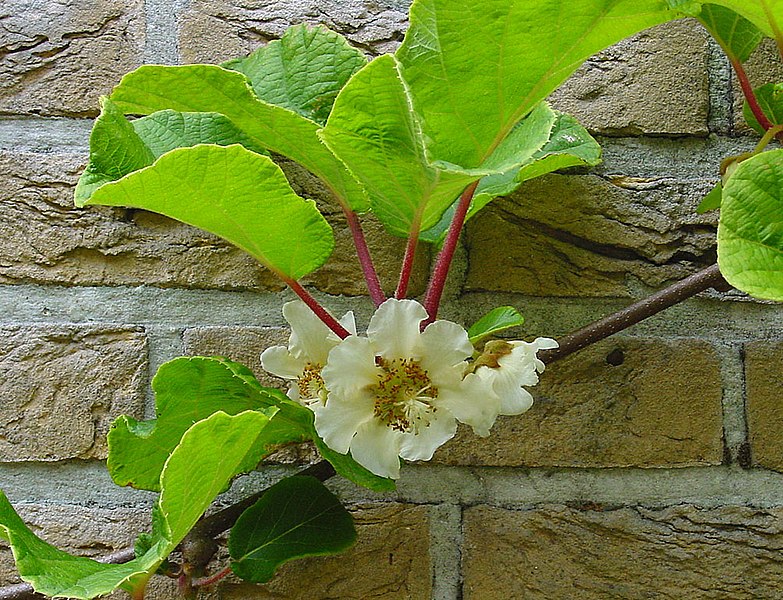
308	348
399	391
508	366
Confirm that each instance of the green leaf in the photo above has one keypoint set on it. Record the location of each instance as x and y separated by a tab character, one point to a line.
302	71
210	454
374	132
736	35
119	147
711	201
296	517
462	61
570	145
750	232
188	390
497	320
767	15
346	466
237	194
209	88
770	97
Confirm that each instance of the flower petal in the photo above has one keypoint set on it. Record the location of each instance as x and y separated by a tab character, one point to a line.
350	367
473	403
279	361
442	346
310	338
377	448
422	445
394	328
339	420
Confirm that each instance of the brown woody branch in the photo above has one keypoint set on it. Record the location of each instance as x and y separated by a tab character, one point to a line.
198	546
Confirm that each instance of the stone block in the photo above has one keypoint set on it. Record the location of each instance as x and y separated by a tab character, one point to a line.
555	552
764	409
619	403
653	83
63	385
215	31
57	58
582	235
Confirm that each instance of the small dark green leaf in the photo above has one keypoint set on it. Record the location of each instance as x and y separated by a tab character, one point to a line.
296	517
770	97
303	71
497	320
711	201
346	466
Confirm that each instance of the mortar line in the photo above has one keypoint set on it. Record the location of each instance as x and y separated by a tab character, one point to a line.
719	77
162	31
735	428
445	550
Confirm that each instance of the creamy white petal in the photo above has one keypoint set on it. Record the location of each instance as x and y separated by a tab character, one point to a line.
474	403
279	361
310	337
514	399
444	347
394	328
376	447
350	367
422	446
338	421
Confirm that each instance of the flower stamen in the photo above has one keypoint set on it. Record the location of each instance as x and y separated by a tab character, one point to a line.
311	385
404	394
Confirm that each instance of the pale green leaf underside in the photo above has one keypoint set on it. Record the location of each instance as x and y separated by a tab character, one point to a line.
767	15
737	36
209	88
462	62
187	390
303	71
497	320
711	201
296	517
750	233
236	194
211	453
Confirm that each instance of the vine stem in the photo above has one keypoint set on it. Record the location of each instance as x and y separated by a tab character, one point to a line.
443	262
365	260
212	579
217	523
407	264
319	310
750	96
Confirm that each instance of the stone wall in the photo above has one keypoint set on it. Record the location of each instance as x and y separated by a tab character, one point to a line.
649	466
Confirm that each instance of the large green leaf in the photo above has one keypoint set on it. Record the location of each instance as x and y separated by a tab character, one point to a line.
767	15
296	517
302	71
237	194
736	35
474	69
209	88
187	390
119	147
750	233
210	454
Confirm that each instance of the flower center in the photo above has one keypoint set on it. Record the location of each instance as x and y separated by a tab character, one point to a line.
404	394
311	385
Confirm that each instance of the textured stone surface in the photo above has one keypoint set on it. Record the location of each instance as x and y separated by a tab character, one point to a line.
560	553
62	386
45	239
57	58
216	30
764	409
84	531
623	402
763	66
581	235
653	83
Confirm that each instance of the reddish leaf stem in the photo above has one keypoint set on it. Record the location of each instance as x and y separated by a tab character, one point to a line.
212	579
365	260
319	310
407	264
443	262
750	96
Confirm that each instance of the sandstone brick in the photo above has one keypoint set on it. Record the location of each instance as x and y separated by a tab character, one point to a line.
622	402
45	239
57	58
558	553
62	386
764	381
581	235
763	66
653	83
214	31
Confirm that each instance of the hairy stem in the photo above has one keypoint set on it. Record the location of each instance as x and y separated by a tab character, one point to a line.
319	310
443	262
750	96
407	264
212	579
365	260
